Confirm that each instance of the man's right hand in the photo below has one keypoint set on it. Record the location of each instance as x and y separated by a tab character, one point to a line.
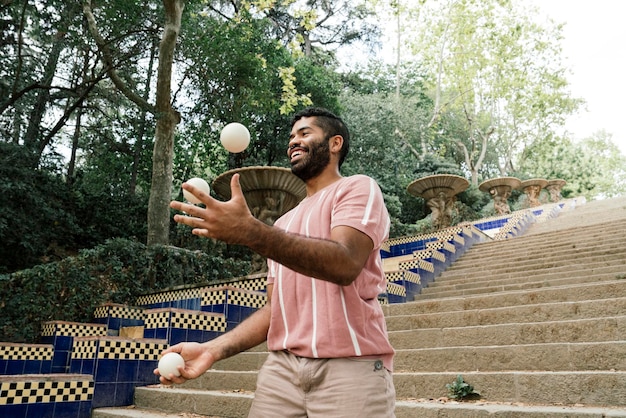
198	359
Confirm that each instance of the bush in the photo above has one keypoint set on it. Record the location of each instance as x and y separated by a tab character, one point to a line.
118	271
44	219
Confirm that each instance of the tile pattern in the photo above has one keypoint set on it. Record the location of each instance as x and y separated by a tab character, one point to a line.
234	303
258	283
117	316
170	298
71	329
179	325
61	335
233	296
10	351
57	396
411	282
118	365
45	391
395	293
118	311
25	358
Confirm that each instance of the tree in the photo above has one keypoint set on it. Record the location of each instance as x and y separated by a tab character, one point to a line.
497	71
240	73
593	167
166	116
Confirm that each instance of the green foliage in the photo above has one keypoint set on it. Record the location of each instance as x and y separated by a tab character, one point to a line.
433	164
35	211
460	390
593	167
44	219
498	70
118	271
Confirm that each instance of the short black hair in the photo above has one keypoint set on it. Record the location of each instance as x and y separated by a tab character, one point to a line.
330	123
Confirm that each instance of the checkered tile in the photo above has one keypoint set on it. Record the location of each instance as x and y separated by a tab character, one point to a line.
10	351
112	348
45	391
118	311
72	329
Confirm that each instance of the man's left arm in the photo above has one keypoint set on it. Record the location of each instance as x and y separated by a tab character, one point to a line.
339	259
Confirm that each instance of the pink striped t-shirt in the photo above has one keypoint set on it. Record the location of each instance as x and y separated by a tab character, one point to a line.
318	319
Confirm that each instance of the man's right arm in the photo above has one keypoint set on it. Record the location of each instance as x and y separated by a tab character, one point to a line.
200	357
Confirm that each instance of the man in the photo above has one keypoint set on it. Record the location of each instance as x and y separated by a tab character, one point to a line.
325	330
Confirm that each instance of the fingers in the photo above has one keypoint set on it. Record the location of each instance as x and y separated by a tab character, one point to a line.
171	378
235	186
176	348
197	192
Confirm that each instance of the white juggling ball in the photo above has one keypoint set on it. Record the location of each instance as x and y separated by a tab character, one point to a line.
235	137
169	364
198	183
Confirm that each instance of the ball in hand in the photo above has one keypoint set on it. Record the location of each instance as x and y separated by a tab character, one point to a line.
198	183
235	137
169	364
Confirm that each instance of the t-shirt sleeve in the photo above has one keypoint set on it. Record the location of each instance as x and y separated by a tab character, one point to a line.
359	204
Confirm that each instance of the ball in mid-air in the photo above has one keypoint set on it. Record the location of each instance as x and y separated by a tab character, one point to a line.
198	183
168	364
235	137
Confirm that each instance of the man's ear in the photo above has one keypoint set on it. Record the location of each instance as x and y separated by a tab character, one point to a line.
335	143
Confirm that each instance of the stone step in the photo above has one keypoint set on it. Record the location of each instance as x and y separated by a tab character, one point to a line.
220	403
523	247
518	314
540	245
134	412
584	356
554	241
558	230
600	388
554	294
536	284
434	409
559	226
579	330
586	237
535	265
565	356
507	393
592	213
422	409
541	338
483	279
242	362
503	264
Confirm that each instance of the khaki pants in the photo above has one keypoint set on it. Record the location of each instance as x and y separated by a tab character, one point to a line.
290	386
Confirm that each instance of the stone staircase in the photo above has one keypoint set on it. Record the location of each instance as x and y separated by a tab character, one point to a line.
536	324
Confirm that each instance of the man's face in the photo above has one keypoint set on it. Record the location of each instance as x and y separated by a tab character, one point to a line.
308	151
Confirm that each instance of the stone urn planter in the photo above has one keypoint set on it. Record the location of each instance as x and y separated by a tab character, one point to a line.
269	191
500	190
440	192
554	188
532	189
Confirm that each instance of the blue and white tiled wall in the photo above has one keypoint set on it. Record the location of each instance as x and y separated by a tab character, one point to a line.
46	395
98	366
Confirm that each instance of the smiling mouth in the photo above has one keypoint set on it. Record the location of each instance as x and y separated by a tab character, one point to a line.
296	154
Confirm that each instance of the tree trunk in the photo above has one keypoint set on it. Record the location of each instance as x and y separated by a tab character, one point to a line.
167	119
31	138
141	131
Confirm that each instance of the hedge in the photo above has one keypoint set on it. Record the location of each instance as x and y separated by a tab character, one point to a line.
118	272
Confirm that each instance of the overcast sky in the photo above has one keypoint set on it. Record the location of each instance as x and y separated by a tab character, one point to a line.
594	45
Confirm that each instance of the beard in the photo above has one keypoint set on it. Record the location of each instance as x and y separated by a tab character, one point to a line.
314	162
